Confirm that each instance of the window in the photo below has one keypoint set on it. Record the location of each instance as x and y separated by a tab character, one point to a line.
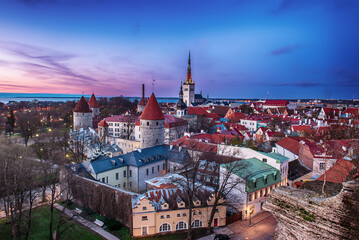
153	170
103	180
130	184
199	213
124	173
124	185
178	215
194	212
144	218
106	179
130	173
162	217
148	123
157	123
144	208
265	180
158	168
147	171
144	230
321	166
168	216
163	167
165	227
264	160
255	184
197	223
181	225
116	176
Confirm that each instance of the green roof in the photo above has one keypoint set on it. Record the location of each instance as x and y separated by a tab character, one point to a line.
257	174
276	156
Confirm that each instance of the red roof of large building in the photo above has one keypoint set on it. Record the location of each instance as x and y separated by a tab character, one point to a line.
339	172
152	110
291	144
195	144
103	123
93	102
172	121
82	106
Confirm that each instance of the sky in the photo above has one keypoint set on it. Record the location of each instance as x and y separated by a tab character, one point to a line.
239	49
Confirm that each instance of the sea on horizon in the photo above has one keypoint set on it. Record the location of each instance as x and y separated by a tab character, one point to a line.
54	97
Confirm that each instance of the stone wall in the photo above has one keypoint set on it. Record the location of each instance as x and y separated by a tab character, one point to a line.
302	214
152	133
104	199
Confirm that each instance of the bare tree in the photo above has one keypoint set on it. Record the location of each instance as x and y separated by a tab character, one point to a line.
17	178
28	123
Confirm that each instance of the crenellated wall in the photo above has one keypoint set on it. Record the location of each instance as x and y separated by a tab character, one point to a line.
302	214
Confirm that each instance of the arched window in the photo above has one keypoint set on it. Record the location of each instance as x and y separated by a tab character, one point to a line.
181	225
197	223
165	227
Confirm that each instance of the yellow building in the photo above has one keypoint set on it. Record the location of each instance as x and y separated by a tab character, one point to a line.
166	210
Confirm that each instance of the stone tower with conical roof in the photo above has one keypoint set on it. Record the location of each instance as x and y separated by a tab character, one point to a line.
95	107
181	107
82	115
188	85
152	124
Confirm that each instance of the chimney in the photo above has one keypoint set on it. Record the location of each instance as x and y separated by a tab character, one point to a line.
143	91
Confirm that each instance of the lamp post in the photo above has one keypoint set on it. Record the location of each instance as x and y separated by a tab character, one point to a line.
250	216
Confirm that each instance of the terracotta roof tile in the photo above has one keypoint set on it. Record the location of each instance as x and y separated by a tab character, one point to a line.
82	106
152	110
93	102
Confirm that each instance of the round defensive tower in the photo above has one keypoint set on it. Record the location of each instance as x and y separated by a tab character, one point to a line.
82	115
152	124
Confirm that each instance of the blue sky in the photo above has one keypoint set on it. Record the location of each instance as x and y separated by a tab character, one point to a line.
239	49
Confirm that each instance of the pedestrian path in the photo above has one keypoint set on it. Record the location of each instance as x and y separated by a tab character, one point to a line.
87	223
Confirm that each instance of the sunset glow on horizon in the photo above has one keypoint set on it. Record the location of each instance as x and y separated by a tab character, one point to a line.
239	49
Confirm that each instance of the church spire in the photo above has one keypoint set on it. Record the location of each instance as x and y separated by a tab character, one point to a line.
189	74
181	92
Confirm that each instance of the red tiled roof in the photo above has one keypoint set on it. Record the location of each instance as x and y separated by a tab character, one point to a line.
93	102
195	145
301	128
103	123
152	110
339	172
290	144
142	102
82	106
172	121
236	116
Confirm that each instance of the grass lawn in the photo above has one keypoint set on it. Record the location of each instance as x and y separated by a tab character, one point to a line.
40	227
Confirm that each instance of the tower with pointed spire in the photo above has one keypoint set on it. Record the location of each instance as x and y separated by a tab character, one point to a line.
95	107
181	107
82	115
188	85
152	124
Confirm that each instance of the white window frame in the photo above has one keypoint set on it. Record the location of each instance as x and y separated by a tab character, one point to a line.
167	230
184	225
142	227
196	221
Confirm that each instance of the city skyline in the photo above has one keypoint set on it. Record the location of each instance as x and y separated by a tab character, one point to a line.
239	49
